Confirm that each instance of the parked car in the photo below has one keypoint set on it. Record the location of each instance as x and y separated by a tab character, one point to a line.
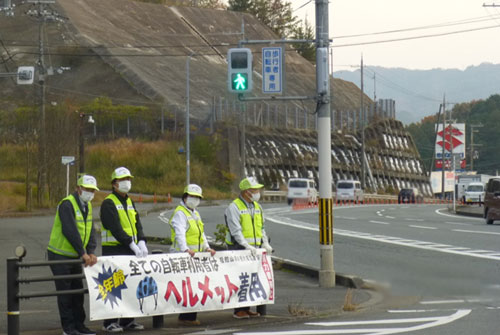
474	193
349	190
492	201
409	196
302	188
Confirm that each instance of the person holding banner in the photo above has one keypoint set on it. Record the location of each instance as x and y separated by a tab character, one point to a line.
122	233
245	222
187	234
73	237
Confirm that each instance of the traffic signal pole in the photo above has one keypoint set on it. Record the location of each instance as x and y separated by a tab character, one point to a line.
325	202
236	84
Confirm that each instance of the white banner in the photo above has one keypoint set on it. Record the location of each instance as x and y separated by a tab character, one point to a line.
127	286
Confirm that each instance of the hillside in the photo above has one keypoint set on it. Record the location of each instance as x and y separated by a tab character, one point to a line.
136	52
486	139
418	93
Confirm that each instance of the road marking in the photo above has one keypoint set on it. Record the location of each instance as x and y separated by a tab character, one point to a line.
379	222
390	217
439	302
458	223
438	211
422	323
475	232
410	219
445	248
421	227
215	331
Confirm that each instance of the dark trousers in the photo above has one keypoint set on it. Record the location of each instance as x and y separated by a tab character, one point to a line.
71	310
116	251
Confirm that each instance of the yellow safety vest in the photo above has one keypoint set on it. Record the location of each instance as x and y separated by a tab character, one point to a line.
127	221
194	234
58	244
250	227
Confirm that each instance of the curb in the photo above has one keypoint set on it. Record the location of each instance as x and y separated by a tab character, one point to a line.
350	281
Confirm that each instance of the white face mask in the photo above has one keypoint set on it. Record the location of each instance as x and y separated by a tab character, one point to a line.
255	196
86	196
124	186
192	202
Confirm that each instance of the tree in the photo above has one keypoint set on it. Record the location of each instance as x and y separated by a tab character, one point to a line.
276	14
244	6
214	4
304	32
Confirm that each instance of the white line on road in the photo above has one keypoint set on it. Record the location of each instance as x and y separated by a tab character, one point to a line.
410	219
421	227
390	217
423	323
475	232
457	223
379	222
439	302
438	211
445	248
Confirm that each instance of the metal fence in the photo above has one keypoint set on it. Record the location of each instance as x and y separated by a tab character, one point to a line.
14	294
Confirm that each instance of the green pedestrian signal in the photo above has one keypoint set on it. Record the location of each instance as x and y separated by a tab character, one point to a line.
239	81
239	70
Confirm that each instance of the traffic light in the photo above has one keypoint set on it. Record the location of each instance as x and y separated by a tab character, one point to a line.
239	70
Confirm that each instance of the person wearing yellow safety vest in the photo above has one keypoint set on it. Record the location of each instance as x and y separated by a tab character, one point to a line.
245	222
187	234
121	233
73	237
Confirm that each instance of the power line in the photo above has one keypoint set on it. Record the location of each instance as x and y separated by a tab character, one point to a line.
437	25
415	37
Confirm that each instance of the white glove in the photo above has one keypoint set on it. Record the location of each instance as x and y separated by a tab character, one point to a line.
135	249
143	247
252	249
268	247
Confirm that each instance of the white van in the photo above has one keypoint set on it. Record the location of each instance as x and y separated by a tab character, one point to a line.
302	188
349	190
474	193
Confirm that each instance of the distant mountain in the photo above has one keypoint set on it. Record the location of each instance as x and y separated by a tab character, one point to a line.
418	93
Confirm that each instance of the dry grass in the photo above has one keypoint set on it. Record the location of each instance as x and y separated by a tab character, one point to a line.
349	306
299	310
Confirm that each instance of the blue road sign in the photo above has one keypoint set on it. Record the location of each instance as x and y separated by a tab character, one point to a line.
272	70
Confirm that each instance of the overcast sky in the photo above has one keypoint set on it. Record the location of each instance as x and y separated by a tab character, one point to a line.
413	18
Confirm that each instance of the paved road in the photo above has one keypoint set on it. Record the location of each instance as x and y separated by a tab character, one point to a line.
441	270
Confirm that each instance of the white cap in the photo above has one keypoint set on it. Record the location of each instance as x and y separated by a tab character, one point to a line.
194	190
121	172
87	181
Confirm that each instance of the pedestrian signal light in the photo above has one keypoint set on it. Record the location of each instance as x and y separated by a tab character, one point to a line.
239	70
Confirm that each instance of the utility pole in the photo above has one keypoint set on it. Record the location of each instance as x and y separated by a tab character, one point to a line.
472	131
188	163
42	173
443	165
362	116
325	201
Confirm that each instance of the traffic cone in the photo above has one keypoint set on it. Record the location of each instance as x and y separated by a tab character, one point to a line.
169	198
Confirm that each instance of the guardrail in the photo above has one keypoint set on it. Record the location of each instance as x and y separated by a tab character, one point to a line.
274	196
14	264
